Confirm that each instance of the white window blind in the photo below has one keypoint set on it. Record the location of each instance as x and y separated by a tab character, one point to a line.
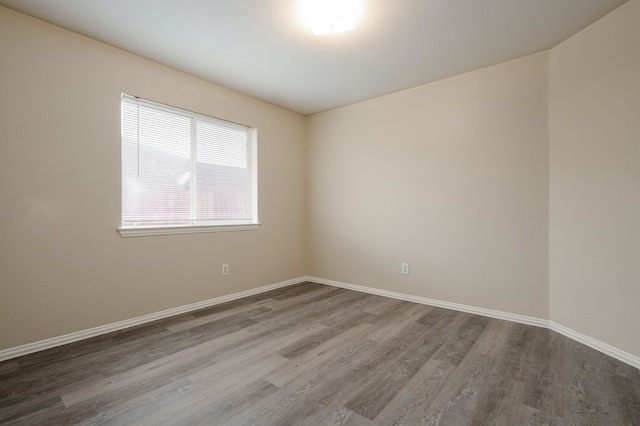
182	168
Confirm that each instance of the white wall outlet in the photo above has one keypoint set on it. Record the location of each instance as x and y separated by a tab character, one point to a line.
405	268
225	269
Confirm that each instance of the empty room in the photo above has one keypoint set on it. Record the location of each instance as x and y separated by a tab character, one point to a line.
294	212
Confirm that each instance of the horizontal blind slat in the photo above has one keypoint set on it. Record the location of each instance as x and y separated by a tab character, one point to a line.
157	176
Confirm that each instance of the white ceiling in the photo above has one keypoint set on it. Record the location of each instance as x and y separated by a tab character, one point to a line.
260	48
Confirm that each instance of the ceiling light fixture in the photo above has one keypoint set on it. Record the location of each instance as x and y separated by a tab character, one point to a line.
330	16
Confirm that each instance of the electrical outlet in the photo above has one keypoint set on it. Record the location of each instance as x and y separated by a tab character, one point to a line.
405	268
225	269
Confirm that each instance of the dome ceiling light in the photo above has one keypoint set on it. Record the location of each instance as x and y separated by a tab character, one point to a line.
330	16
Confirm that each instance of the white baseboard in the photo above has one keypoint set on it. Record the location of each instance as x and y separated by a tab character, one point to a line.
605	348
121	325
523	319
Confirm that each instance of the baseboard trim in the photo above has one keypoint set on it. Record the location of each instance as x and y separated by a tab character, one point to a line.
53	342
41	345
523	319
605	348
602	347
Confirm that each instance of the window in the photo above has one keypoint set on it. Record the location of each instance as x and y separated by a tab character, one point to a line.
185	172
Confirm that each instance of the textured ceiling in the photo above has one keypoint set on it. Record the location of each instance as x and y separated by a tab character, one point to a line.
259	47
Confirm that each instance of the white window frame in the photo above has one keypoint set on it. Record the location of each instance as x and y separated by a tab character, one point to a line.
196	227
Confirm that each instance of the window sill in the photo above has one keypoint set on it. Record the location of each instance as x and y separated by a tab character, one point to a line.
185	229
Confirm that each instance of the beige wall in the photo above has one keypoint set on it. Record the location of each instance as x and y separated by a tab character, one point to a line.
595	180
63	266
451	177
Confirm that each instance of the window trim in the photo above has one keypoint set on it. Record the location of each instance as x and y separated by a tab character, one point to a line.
203	226
144	231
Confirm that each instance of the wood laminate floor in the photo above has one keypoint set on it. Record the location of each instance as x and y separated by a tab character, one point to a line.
316	355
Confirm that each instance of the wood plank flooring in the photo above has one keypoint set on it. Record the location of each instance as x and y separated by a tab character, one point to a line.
316	355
